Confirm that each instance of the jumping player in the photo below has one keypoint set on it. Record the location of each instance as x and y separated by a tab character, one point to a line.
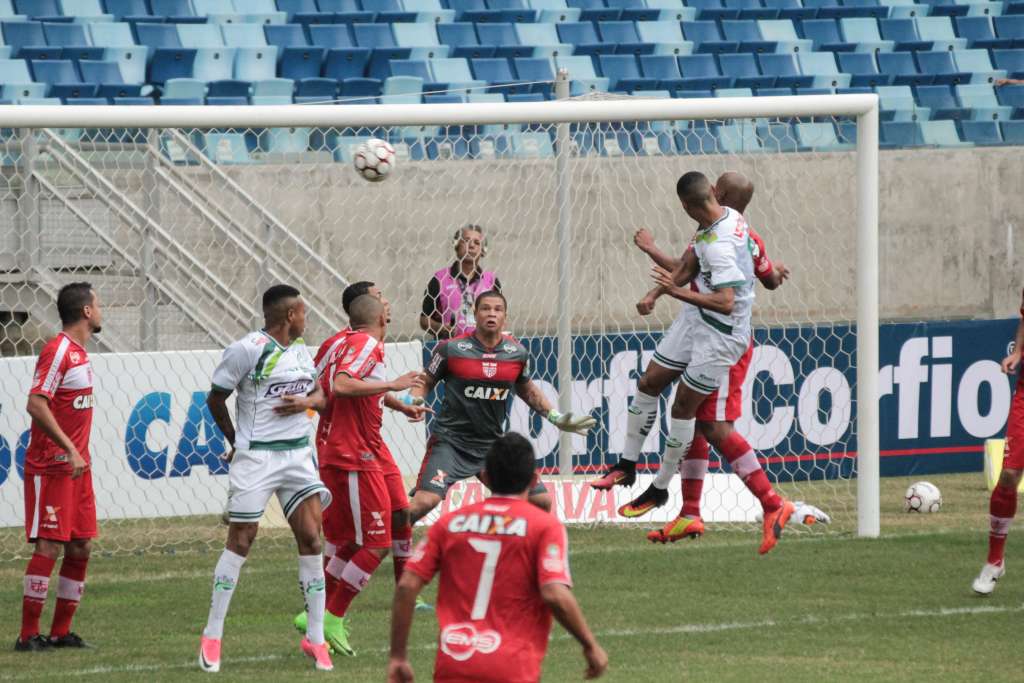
483	371
60	507
504	567
1003	502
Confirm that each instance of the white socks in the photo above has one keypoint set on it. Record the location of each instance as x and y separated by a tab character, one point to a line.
680	436
225	578
312	585
642	415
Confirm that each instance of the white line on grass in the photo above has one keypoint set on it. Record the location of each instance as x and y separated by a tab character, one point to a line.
710	627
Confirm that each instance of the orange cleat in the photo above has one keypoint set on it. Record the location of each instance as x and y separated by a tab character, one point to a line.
774	523
651	498
622	473
680	527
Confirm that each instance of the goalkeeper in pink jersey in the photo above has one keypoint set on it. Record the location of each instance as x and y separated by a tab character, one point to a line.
717	412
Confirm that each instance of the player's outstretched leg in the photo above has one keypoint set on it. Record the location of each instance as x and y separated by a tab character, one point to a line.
692	470
225	578
680	435
1002	509
640	420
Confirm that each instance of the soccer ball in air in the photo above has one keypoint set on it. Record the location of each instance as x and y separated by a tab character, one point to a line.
374	160
922	497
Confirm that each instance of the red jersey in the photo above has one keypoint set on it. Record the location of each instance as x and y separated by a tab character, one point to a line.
493	556
323	354
64	376
348	436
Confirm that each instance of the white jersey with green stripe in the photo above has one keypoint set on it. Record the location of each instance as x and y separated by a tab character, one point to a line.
724	252
262	371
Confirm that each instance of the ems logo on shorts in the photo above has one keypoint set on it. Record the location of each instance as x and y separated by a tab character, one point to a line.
490	369
438	479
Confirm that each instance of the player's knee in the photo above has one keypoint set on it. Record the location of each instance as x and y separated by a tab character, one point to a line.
1010	478
650	384
80	549
309	543
241	537
48	549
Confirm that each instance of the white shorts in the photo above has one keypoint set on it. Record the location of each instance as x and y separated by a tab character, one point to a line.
700	352
254	476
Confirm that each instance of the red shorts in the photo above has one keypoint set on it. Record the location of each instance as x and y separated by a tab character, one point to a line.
396	487
725	404
360	512
59	508
1014	454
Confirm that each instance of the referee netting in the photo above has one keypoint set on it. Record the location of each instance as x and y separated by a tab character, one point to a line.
180	230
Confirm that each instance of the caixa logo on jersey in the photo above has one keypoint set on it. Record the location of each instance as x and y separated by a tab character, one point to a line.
84	402
462	641
296	387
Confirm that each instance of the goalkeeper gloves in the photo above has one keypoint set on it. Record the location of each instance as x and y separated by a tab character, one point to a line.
571	423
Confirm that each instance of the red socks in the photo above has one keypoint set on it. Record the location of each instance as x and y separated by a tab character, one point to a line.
354	578
36	585
744	463
1002	507
692	471
334	566
69	593
401	549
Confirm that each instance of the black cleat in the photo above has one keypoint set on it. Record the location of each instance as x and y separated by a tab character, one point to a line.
69	640
622	473
34	644
652	498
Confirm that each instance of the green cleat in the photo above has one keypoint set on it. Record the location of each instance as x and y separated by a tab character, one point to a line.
422	605
336	634
300	622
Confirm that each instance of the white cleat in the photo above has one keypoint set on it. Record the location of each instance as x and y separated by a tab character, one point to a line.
986	581
209	655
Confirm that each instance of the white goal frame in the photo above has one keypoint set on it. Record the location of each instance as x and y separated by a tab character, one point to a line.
863	107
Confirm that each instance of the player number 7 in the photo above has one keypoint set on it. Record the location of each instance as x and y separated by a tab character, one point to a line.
491	550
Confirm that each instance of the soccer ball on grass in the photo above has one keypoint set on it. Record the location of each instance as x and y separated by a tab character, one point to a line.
922	497
374	160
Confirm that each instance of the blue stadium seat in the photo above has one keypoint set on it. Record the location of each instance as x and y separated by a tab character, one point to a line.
183	89
243	35
581	71
411	67
498	72
65	35
1013	132
84	10
902	68
623	73
738	138
538	71
785	69
747	34
402	90
176	11
631	10
331	35
700	72
623	34
978	64
898	104
595	10
39	10
389	11
228	88
313	90
826	36
119	45
940	65
744	71
544	39
22	34
822	66
792	9
940	31
713	10
664	69
981	100
707	37
1011	61
215	11
1012	96
864	33
273	87
421	39
128	10
981	132
256	63
862	68
170	63
503	38
62	79
226	148
107	74
583	36
361	88
904	33
454	72
941	134
214	61
462	38
783	34
285	141
1011	27
428	11
752	9
346	62
667	36
777	137
941	101
980	33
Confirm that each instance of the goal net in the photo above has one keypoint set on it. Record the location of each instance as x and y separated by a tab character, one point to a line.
180	217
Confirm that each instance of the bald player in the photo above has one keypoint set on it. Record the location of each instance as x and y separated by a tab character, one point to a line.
719	410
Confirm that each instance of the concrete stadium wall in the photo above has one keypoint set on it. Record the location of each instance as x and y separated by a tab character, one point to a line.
950	224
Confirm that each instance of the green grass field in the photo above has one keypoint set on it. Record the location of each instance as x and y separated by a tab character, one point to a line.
820	607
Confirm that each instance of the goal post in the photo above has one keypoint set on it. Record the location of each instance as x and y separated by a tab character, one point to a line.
198	219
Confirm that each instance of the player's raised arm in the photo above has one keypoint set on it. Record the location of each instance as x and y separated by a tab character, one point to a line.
644	240
538	402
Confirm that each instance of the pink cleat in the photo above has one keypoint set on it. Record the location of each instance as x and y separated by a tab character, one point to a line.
319	654
209	655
